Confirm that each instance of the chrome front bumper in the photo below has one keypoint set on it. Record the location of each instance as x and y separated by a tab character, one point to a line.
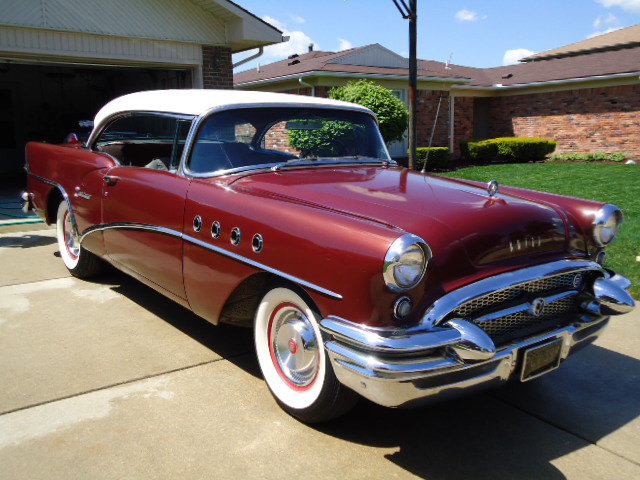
441	359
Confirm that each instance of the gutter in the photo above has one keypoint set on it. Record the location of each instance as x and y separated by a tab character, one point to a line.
322	73
313	87
248	59
498	87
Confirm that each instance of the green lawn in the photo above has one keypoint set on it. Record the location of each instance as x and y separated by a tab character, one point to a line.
611	183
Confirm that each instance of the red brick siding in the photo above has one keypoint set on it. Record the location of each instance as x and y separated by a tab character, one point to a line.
462	122
217	69
587	120
427	105
277	138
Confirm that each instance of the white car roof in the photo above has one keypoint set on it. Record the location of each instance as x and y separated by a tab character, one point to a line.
199	101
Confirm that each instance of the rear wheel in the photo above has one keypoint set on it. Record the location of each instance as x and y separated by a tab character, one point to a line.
293	361
80	262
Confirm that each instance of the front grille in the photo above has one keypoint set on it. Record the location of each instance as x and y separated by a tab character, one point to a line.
523	323
518	324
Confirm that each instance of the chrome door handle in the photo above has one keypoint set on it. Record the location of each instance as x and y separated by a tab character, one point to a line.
110	179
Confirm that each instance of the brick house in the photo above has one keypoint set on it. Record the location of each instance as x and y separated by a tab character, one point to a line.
585	95
61	60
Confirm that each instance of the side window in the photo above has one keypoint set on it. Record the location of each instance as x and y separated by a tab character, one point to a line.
145	141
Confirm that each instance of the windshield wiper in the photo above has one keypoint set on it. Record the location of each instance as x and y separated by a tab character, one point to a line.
328	160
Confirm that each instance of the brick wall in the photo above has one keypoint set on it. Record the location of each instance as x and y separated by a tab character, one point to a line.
427	106
587	120
462	122
217	69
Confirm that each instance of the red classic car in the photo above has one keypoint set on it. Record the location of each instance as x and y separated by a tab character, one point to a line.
286	214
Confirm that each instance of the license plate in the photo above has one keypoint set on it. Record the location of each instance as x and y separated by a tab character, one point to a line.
539	360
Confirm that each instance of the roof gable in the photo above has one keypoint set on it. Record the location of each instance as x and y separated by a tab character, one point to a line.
374	55
206	22
622	38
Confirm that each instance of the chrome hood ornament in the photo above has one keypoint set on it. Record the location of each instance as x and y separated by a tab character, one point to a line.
492	188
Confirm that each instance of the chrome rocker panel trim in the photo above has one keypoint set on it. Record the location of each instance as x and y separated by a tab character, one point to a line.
208	246
401	366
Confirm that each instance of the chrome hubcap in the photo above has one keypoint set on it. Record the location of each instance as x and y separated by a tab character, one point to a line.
295	346
70	238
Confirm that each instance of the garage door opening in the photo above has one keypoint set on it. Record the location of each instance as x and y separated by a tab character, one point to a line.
45	102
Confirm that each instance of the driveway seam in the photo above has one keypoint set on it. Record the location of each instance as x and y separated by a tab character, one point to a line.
35	281
118	384
564	429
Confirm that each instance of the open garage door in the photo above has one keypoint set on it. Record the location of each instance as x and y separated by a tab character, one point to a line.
45	102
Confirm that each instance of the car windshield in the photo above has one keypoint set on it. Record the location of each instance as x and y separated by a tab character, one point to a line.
280	137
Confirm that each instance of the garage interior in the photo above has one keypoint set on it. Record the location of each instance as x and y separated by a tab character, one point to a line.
45	102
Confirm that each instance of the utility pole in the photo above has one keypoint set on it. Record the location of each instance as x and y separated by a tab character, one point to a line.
410	12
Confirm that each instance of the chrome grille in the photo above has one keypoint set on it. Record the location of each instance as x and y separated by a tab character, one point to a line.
491	300
503	328
522	323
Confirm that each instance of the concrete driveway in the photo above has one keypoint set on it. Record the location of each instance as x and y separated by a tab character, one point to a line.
108	379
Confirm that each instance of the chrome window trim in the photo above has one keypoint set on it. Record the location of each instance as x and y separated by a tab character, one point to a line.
208	246
98	129
450	301
183	169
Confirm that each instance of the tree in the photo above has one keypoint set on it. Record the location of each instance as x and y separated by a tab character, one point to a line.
391	112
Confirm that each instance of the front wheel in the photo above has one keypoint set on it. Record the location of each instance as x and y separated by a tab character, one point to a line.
80	262
293	361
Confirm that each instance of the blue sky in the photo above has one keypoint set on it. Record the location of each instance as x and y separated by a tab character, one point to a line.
473	32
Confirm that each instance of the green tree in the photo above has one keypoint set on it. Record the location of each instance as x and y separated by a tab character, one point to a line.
391	112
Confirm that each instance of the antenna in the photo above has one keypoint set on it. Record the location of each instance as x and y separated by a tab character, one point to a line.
448	64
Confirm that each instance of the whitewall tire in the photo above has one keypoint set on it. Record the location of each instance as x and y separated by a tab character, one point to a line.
80	262
293	361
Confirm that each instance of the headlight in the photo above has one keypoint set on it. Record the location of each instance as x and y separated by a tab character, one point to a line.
606	224
405	262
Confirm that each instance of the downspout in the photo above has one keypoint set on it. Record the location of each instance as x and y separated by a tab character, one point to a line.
313	87
248	59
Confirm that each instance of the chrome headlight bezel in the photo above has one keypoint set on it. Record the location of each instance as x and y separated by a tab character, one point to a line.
604	216
393	258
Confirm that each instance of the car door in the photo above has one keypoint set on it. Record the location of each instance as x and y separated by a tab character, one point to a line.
143	198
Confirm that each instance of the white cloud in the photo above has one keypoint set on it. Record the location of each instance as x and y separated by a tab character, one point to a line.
404	53
512	57
465	15
297	18
629	5
298	42
344	44
605	20
602	32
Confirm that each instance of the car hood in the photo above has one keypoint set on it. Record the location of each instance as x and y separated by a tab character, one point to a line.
452	216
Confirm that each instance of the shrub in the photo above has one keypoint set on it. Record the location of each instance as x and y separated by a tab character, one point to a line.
326	141
438	157
589	157
391	112
510	149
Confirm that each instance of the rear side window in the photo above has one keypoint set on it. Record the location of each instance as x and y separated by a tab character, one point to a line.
151	141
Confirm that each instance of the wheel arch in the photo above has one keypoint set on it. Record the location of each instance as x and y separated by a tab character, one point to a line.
54	198
240	307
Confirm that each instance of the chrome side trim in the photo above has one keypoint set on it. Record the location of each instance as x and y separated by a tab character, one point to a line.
64	196
208	246
261	266
447	303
